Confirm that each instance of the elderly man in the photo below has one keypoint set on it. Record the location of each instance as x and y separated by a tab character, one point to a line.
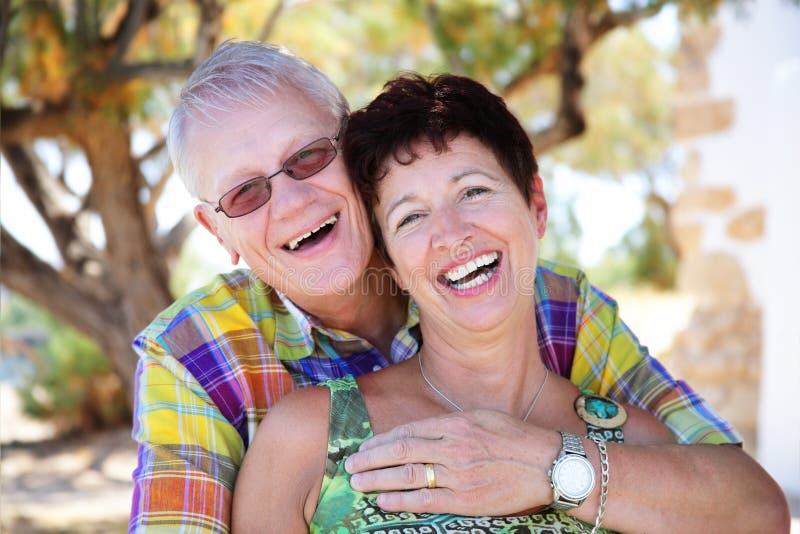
255	138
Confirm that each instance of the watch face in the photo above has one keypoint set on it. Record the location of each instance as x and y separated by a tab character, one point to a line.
573	477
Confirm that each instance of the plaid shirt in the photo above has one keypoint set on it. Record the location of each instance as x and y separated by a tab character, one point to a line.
213	363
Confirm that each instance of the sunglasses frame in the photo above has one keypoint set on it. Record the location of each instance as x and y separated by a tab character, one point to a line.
331	140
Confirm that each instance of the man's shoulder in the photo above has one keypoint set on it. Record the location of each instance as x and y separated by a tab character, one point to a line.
559	269
560	281
235	295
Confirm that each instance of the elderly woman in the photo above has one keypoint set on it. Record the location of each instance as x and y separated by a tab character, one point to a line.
457	207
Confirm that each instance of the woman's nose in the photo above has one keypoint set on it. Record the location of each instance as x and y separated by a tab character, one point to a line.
452	233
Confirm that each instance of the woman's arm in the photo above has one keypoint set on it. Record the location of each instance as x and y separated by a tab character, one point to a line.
280	478
644	428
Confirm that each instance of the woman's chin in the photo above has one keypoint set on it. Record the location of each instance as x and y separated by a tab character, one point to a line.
480	320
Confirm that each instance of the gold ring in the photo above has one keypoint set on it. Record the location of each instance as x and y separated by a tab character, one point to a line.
430	476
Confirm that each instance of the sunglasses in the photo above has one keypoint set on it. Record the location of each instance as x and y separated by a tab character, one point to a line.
309	160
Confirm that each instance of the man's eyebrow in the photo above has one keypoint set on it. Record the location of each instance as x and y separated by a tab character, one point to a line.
238	177
454	179
250	170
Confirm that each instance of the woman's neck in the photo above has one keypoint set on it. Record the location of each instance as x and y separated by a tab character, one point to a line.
499	369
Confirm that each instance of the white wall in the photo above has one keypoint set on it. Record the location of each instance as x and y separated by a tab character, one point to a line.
757	63
779	411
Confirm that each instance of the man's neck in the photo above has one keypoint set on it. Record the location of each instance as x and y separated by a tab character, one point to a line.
373	308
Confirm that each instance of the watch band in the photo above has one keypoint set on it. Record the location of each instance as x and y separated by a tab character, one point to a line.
571	444
572	452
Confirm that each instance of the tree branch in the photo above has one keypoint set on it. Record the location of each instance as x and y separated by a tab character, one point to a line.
432	17
127	30
28	168
81	258
5	17
570	120
83	306
209	29
157	147
30	175
271	21
155	70
545	65
610	20
62	176
23	125
156	190
82	26
170	245
597	28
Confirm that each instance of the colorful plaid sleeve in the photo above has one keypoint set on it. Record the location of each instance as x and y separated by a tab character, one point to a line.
188	453
206	375
610	361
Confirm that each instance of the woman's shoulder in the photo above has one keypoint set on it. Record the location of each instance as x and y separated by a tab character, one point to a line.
299	415
288	450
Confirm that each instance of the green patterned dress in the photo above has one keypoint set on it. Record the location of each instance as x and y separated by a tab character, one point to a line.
342	510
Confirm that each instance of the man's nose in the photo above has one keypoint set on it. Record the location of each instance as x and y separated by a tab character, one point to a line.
290	197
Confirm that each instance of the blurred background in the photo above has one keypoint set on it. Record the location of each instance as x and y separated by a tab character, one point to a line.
666	133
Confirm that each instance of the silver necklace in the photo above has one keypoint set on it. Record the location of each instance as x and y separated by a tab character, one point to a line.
460	409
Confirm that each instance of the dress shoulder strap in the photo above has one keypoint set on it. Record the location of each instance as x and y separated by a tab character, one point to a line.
349	422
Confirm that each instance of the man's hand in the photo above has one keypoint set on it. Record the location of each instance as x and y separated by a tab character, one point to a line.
485	463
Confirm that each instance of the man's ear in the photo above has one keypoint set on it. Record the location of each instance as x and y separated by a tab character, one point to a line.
539	204
207	221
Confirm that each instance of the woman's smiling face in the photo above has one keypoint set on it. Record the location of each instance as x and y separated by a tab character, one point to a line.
463	239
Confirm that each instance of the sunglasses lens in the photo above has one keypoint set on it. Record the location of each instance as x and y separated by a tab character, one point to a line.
253	194
310	159
246	198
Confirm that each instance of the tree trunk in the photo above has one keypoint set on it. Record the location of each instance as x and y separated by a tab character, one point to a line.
125	284
137	272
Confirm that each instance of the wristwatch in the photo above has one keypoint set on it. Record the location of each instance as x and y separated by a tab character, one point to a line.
603	417
572	474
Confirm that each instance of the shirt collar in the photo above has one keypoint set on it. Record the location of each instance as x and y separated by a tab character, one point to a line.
293	338
406	342
296	331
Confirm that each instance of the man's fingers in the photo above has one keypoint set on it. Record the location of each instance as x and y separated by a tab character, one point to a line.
425	500
395	453
402	477
426	428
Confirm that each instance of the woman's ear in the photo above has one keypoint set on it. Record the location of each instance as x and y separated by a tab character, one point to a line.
396	278
389	266
202	213
538	204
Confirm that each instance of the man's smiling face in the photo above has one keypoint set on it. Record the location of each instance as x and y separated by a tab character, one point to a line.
312	237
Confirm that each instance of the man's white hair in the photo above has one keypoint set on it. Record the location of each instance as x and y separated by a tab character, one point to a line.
243	73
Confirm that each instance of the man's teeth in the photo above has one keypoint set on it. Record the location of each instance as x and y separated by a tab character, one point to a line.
293	244
457	273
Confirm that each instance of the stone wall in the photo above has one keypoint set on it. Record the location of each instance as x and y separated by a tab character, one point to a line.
719	353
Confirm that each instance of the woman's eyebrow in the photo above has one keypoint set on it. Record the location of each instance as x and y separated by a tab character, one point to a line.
408	197
468	172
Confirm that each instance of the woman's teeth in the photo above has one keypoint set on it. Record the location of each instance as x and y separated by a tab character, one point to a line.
456	276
